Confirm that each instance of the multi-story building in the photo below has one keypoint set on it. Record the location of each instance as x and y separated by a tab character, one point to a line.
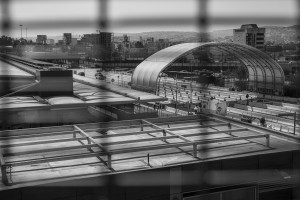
126	41
150	42
41	39
163	43
50	41
251	35
102	38
102	42
67	38
74	41
60	42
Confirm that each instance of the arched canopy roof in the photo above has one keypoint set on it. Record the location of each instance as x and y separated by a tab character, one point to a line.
264	72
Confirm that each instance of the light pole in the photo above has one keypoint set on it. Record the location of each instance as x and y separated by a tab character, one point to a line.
176	101
291	71
121	79
21	29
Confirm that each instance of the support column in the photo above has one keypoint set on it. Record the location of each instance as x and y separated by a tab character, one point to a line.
195	150
109	161
229	127
268	140
142	126
5	179
164	134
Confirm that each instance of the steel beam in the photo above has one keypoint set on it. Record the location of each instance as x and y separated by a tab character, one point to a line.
5	179
130	150
91	140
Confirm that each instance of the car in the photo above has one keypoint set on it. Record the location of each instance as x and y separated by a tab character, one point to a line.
100	76
81	74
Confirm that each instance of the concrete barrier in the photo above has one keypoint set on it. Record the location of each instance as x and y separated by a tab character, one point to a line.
290	99
296	106
277	103
240	106
278	98
258	104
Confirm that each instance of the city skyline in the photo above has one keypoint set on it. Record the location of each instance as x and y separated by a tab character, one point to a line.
142	16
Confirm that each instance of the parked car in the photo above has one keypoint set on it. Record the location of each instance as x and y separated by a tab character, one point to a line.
81	74
100	76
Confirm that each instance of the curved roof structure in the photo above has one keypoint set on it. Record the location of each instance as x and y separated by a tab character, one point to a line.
264	72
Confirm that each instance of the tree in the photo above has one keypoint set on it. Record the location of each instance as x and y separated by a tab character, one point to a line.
138	44
6	41
241	84
19	46
240	73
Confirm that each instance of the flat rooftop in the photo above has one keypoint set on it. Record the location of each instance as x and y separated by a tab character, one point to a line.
37	156
87	92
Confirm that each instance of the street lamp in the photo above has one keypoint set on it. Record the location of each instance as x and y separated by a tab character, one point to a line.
121	79
291	71
21	29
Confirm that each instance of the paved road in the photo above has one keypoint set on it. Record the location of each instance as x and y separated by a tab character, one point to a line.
111	77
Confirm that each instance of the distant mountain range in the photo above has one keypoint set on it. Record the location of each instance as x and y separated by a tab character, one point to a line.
274	34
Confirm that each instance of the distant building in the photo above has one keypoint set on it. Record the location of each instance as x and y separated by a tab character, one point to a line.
138	53
251	35
67	38
150	40
74	41
126	41
41	39
102	42
60	42
103	38
50	41
163	43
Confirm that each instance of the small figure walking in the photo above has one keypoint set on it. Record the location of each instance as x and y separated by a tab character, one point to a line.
263	122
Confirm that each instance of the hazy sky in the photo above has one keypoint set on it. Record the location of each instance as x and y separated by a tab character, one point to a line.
53	17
